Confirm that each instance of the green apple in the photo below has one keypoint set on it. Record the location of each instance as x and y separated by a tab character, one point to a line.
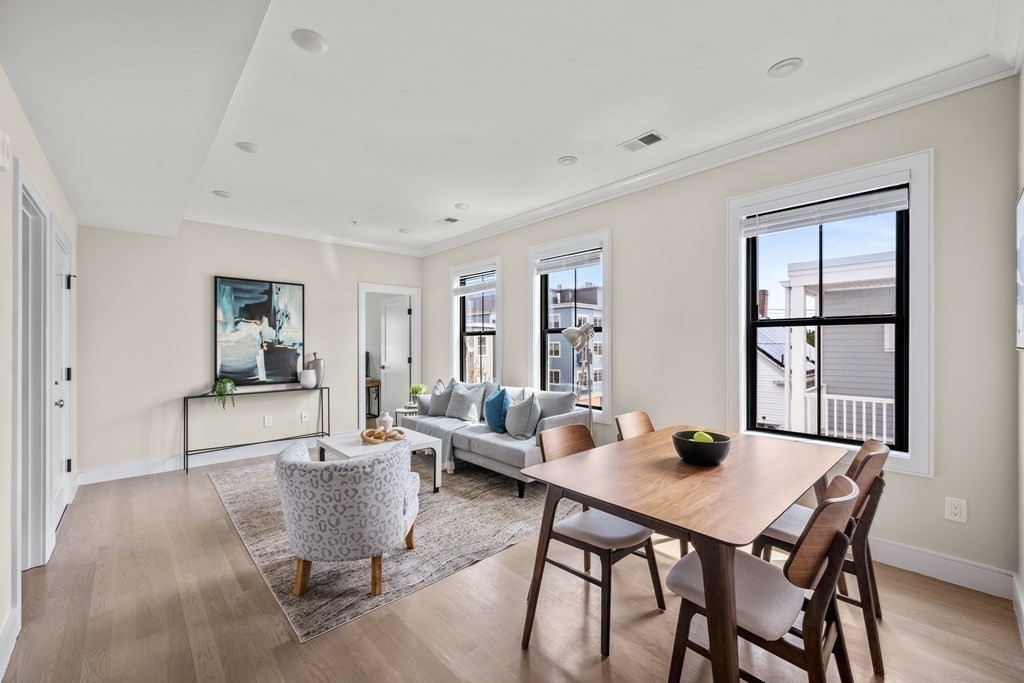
703	437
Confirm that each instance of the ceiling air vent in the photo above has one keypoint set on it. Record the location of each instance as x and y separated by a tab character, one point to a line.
446	221
646	140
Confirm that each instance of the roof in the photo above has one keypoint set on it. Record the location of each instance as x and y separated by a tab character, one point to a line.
771	341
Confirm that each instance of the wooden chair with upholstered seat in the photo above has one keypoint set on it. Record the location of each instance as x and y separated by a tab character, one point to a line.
609	537
866	471
769	600
638	423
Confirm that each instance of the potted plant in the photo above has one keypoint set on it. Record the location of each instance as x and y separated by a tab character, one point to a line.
221	390
415	391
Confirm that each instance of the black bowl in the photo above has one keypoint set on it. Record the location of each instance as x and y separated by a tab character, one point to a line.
700	452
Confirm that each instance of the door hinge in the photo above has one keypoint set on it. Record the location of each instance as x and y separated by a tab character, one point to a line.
409	361
67	281
409	312
68	462
67	374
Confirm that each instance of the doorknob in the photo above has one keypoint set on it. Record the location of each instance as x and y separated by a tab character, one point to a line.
60	403
383	367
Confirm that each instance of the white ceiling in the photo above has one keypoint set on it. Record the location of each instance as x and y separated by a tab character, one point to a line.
418	105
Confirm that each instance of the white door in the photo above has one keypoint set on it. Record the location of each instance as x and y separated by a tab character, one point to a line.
58	478
395	368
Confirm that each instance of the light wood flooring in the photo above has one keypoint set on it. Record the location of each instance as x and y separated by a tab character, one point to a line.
150	582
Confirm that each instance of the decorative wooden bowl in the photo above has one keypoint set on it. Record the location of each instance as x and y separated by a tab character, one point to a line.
375	436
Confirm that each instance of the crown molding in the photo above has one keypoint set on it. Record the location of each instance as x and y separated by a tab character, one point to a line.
1007	42
950	81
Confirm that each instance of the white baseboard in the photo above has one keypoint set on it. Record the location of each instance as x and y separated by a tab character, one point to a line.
1018	604
974	575
174	462
8	637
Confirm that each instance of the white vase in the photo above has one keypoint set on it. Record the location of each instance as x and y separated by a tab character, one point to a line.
385	421
318	366
307	379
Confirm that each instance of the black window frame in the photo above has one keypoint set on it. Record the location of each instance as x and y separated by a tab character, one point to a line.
463	332
900	319
547	330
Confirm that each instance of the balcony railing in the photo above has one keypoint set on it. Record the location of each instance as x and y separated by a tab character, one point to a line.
853	417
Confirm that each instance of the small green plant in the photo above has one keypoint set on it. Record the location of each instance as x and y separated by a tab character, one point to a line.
417	389
221	390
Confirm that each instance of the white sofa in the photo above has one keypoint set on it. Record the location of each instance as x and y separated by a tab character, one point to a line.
475	442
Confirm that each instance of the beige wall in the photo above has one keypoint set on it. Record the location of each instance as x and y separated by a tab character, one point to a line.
1020	366
146	333
669	272
26	148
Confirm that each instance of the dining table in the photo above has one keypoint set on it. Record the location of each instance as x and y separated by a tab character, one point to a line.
720	508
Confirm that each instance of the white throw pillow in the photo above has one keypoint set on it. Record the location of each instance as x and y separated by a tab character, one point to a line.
522	418
464	403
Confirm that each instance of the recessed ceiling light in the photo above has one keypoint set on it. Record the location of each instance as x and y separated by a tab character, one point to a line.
250	147
787	67
310	41
567	161
223	194
404	231
462	206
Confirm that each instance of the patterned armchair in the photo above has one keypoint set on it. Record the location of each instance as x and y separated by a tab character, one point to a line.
347	510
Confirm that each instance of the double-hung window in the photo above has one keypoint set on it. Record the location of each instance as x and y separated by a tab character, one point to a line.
827	318
476	311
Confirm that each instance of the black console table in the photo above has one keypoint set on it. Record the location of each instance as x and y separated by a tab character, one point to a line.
323	420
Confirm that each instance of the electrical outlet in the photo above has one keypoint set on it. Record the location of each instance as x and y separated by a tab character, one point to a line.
268	420
956	510
304	416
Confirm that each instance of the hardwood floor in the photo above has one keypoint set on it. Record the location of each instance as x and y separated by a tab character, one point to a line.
150	582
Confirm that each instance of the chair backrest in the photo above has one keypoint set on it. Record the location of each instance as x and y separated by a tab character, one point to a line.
559	442
810	553
633	424
343	509
866	467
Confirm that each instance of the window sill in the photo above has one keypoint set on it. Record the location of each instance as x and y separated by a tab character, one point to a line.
898	462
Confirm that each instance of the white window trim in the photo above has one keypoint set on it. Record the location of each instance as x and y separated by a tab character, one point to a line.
457	273
601	239
917	169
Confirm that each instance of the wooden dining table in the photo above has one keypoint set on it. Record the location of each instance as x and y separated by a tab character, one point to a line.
721	508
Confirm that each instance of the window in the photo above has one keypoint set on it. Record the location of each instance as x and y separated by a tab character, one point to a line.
475	321
825	314
554	377
598	375
570	287
598	347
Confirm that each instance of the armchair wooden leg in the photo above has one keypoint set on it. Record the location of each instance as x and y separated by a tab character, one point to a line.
410	542
377	575
302	569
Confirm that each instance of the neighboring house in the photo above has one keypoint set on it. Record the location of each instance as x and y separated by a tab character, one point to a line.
771	376
571	308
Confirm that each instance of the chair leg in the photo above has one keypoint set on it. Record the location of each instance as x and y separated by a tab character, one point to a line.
841	585
302	569
606	600
766	554
652	563
410	541
377	575
684	547
757	547
842	655
686	612
586	561
522	487
874	584
867	607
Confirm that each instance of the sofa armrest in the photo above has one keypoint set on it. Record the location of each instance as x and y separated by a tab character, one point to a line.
423	404
578	416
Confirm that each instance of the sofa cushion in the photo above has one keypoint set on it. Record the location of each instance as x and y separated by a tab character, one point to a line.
439	398
501	447
466	402
496	408
522	418
556	402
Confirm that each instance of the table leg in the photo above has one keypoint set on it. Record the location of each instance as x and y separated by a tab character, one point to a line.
437	468
547	521
717	563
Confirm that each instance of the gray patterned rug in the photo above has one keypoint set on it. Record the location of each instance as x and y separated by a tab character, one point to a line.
476	514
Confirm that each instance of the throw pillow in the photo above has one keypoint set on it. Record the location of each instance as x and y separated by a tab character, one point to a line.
522	418
465	401
439	398
496	408
555	402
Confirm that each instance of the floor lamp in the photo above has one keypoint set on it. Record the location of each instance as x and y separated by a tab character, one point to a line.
579	338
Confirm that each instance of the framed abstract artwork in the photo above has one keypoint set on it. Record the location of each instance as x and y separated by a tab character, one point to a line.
1020	272
259	330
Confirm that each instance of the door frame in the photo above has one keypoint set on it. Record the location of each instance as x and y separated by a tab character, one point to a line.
415	346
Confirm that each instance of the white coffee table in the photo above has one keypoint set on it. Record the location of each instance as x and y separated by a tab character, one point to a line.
349	445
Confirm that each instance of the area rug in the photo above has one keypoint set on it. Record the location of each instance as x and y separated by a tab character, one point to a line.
476	514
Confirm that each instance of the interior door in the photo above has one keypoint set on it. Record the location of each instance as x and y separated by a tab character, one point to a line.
58	478
395	361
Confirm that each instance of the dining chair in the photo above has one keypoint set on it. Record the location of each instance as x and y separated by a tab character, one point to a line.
638	423
866	471
769	600
609	537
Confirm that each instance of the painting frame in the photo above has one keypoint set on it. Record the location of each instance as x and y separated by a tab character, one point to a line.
1020	272
261	369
